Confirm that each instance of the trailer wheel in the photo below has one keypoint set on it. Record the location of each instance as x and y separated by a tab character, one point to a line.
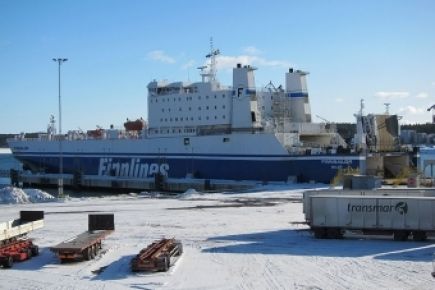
419	236
9	262
29	253
334	233
165	264
319	233
94	250
87	253
35	250
400	235
180	248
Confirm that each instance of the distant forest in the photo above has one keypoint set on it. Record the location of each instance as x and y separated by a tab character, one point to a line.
346	130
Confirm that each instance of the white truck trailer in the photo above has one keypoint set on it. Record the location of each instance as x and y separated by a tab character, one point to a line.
400	216
306	202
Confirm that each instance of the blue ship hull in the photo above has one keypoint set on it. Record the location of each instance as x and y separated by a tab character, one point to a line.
275	168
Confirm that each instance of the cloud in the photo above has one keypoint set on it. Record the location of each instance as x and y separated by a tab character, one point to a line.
411	110
433	83
422	95
392	95
160	55
251	50
339	100
188	64
228	62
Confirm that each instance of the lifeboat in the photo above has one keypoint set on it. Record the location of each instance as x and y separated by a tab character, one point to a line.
97	133
137	125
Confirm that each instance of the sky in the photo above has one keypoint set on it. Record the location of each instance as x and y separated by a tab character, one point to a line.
380	51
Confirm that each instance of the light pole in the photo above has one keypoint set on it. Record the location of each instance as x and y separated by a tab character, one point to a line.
60	180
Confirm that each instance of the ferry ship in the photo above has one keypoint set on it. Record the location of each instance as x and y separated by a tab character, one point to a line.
204	130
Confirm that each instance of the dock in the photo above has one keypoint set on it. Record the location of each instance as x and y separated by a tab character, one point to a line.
158	183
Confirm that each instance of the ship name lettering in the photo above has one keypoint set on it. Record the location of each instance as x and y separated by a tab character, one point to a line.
135	167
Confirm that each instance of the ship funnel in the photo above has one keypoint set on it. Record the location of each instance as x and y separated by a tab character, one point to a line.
243	77
296	89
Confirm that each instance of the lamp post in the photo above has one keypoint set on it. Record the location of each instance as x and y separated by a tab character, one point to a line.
60	180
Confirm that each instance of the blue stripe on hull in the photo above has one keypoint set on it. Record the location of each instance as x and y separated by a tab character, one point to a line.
262	170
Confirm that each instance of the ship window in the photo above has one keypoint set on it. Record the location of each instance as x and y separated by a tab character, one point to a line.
191	118
190	109
199	97
176	119
157	101
206	97
199	118
215	107
170	119
206	118
163	110
226	140
179	99
223	96
199	108
179	109
215	96
206	107
169	109
223	116
161	119
223	107
186	141
166	119
262	107
215	117
163	100
181	119
174	99
253	116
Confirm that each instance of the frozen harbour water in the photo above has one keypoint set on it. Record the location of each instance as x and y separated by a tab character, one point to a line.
231	241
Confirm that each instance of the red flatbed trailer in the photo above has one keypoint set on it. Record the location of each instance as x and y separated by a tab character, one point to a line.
158	256
14	244
86	245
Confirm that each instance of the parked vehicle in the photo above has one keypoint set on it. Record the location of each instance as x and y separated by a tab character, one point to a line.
376	192
86	246
14	243
158	256
401	216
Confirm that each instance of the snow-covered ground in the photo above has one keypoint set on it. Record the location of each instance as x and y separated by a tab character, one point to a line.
231	241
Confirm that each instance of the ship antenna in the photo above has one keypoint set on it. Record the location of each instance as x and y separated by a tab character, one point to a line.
361	107
387	108
212	55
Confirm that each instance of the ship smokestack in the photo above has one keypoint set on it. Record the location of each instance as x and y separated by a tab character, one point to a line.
296	89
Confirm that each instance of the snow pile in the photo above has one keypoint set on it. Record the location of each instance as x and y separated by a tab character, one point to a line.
13	195
37	195
190	193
